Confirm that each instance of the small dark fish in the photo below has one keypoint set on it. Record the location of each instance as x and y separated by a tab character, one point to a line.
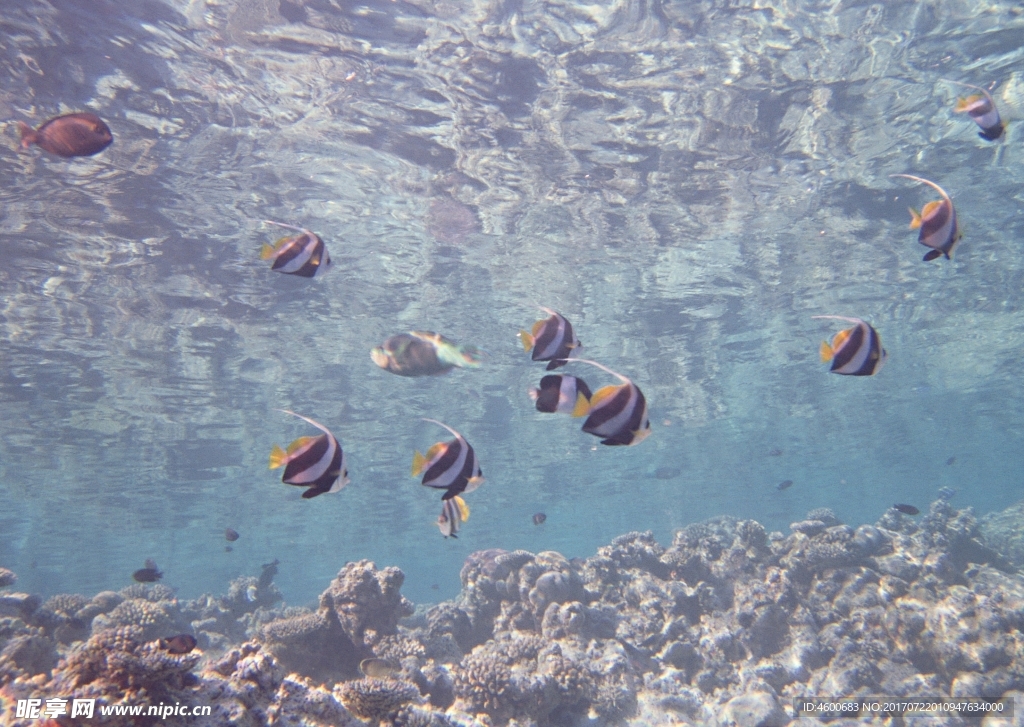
562	393
304	254
551	339
314	462
72	135
228	549
378	668
907	509
449	466
775	453
539	518
149	574
939	229
423	353
231	535
267	573
854	351
617	413
454	512
180	644
982	110
435	587
951	461
784	485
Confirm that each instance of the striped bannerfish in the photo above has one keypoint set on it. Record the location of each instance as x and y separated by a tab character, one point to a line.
304	254
454	512
937	221
982	110
423	353
562	393
617	413
450	466
315	462
552	340
854	351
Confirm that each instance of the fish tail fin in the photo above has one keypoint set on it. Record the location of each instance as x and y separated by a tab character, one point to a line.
582	407
527	338
266	252
278	457
826	352
419	462
28	135
471	356
915	218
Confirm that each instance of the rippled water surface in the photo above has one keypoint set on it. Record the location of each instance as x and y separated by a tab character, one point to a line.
689	182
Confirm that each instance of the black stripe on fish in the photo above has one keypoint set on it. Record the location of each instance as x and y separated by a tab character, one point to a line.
451	518
861	354
453	470
619	417
302	255
554	341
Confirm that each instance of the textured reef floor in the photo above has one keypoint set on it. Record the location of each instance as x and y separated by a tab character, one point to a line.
729	625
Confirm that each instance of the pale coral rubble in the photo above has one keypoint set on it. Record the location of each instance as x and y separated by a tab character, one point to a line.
728	625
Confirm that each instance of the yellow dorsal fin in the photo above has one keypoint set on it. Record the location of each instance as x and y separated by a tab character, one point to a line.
462	507
266	252
418	463
915	218
929	209
526	339
582	407
605	392
299	444
537	327
826	352
962	104
840	338
277	457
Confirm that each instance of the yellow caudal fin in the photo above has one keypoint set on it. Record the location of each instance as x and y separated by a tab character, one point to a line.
277	457
582	407
526	339
826	352
419	462
462	507
266	252
915	218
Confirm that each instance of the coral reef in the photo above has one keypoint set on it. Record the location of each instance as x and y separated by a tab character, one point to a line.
7	577
728	625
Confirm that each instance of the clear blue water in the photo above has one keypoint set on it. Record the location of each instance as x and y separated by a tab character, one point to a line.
688	182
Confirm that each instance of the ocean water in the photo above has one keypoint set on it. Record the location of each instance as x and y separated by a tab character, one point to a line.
689	182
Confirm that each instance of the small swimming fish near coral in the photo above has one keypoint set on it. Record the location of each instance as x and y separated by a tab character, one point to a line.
551	339
562	393
230	534
784	485
71	135
180	644
149	574
454	512
854	351
378	668
449	466
314	462
617	413
423	353
907	509
303	254
937	222
982	110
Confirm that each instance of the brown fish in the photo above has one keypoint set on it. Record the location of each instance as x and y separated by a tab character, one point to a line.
231	535
907	509
180	644
149	574
378	668
72	135
539	517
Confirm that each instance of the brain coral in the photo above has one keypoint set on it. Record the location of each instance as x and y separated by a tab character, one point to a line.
155	619
363	598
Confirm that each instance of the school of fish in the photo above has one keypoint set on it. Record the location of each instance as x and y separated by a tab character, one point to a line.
616	413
